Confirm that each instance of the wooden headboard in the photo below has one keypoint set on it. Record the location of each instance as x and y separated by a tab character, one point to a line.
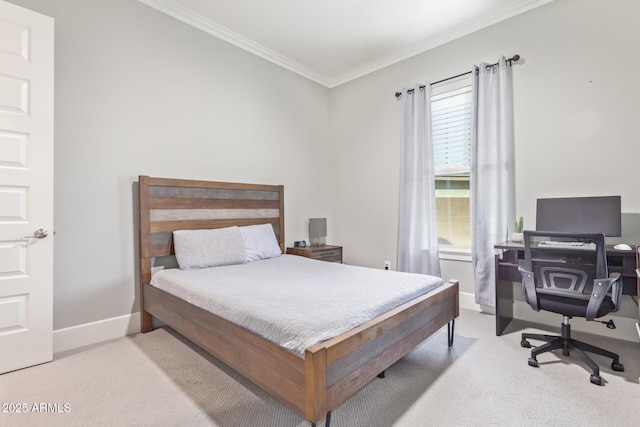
167	205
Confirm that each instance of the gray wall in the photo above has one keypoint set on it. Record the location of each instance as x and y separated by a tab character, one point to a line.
138	92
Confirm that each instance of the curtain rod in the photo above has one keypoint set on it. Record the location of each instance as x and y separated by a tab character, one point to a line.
514	58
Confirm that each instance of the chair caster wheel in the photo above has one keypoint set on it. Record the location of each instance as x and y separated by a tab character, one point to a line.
617	367
596	379
524	343
533	362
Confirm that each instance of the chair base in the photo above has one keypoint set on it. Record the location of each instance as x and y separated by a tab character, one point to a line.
568	344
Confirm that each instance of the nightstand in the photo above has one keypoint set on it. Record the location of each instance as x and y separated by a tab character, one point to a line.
322	253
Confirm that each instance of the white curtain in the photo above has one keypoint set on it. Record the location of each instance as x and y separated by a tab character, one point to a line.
417	233
492	179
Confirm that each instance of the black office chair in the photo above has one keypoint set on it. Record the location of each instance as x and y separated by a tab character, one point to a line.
571	280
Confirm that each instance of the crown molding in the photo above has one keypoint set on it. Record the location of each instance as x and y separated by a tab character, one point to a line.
513	9
207	25
188	16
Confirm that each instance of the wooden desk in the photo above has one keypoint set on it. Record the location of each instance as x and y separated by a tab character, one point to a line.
511	255
638	285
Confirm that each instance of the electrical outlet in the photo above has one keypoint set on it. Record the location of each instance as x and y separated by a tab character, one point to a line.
387	265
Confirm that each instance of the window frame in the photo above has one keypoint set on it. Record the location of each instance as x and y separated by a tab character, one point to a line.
462	85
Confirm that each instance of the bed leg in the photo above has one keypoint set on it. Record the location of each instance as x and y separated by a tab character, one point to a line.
450	327
381	374
327	420
146	322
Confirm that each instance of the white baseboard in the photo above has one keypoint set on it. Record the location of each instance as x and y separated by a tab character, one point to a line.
95	332
468	301
116	327
625	326
521	310
129	324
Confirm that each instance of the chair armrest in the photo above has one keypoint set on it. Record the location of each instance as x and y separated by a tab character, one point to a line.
529	288
601	288
616	291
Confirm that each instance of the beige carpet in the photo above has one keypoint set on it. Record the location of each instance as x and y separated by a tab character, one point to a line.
158	379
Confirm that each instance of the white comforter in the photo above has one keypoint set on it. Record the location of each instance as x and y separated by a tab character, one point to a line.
295	301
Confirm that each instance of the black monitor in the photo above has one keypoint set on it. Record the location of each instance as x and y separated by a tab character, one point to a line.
580	215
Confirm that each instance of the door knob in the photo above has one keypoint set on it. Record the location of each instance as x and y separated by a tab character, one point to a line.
40	233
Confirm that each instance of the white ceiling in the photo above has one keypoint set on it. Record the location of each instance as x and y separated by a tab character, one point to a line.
334	41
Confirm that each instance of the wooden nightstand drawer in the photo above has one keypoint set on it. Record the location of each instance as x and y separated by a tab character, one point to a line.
334	255
322	253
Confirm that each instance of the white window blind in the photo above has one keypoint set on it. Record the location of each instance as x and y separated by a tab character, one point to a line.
451	127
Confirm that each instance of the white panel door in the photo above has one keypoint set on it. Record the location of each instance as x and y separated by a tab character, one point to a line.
26	187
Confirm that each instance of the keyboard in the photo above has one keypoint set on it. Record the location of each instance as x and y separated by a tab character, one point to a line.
572	245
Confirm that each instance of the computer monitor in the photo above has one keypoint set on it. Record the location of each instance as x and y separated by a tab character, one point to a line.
580	215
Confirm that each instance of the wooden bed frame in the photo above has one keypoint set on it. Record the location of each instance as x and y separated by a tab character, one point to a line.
331	371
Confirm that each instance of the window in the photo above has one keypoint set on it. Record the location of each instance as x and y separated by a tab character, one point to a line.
451	127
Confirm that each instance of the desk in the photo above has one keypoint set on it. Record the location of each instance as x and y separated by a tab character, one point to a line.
511	255
638	280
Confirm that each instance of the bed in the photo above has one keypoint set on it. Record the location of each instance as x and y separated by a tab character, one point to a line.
311	381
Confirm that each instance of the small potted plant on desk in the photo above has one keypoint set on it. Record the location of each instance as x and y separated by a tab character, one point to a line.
517	235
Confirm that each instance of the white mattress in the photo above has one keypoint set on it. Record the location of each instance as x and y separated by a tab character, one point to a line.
295	301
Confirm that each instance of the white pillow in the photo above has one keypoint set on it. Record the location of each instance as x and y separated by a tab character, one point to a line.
208	248
260	242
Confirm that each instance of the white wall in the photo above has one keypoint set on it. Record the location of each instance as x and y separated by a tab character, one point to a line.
138	92
576	120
